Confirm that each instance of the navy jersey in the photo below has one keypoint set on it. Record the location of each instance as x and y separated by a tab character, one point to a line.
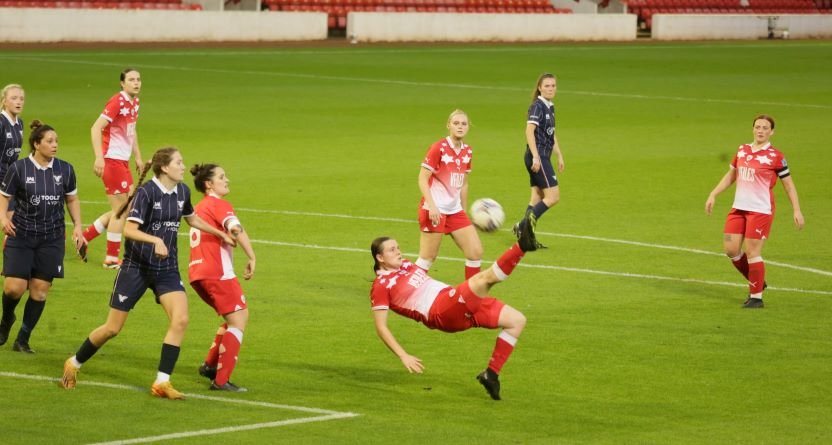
542	114
39	194
159	212
11	141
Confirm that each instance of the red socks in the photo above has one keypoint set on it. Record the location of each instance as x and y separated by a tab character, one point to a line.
756	276
741	263
505	265
214	351
472	267
502	350
229	348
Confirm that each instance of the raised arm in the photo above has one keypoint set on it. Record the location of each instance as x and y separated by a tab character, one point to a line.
413	364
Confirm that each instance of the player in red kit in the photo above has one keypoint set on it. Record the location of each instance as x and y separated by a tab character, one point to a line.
443	181
407	290
211	273
755	169
114	140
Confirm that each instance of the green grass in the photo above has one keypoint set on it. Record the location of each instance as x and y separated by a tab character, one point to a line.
647	131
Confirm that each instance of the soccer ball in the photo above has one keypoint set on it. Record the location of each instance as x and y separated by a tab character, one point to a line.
487	214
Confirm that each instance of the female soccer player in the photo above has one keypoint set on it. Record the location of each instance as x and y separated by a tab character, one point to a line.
114	139
12	98
443	181
150	261
33	256
211	274
755	168
409	291
541	143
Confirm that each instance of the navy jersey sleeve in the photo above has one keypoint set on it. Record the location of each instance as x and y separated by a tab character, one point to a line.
536	113
187	207
9	184
70	186
142	206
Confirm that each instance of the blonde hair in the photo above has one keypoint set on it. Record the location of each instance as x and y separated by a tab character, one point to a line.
455	112
5	91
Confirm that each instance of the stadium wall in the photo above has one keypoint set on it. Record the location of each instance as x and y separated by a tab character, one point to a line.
450	27
745	27
29	25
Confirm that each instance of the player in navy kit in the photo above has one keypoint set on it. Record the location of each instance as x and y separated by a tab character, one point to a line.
12	98
541	144
150	261
33	256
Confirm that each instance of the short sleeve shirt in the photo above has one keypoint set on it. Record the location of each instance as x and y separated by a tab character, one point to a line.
449	168
542	115
39	194
757	172
118	137
158	211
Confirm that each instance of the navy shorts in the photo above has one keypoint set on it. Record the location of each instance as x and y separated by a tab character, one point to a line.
29	258
131	283
545	177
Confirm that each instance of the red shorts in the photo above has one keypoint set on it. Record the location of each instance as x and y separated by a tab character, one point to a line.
449	312
750	224
225	296
117	178
447	223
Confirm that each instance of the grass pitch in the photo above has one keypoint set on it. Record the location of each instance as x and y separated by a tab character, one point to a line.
635	333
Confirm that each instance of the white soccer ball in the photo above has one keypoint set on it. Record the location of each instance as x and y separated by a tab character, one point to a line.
487	214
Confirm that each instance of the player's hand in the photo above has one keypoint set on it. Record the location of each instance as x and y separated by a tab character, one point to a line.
98	167
78	238
413	364
249	272
561	164
798	219
535	164
227	239
709	205
8	226
139	166
434	215
160	249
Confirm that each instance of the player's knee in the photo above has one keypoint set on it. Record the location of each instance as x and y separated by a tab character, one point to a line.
179	322
111	331
519	320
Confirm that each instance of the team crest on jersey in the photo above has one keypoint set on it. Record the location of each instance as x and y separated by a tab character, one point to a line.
35	200
57	179
9	135
30	179
157	206
749	158
12	152
156	226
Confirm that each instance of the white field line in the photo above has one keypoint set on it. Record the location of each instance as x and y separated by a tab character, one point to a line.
561	268
322	414
422	84
562	235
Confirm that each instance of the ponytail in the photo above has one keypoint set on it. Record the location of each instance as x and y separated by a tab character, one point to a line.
126	205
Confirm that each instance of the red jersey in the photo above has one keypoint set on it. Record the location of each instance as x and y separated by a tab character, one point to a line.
210	257
118	137
757	172
408	291
449	167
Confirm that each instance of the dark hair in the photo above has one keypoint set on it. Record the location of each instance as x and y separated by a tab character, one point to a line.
124	73
39	129
765	117
540	80
202	173
375	249
161	158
